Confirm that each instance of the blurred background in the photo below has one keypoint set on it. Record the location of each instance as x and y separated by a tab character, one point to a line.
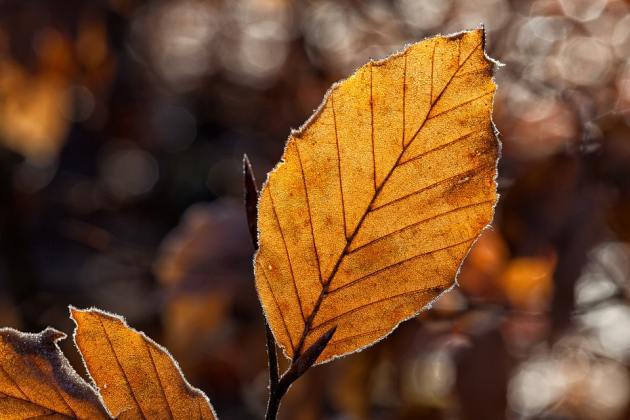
122	126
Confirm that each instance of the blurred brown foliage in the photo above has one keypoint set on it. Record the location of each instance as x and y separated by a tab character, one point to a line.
118	116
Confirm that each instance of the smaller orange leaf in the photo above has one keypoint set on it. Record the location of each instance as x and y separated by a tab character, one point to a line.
36	379
136	377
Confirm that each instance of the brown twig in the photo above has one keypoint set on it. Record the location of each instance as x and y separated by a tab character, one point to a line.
251	207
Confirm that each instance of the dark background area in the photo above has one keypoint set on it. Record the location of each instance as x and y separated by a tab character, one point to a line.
122	127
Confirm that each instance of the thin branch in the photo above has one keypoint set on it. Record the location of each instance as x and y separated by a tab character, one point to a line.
250	192
272	355
251	207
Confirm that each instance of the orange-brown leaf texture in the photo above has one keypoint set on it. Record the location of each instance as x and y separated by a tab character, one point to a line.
136	377
36	380
379	196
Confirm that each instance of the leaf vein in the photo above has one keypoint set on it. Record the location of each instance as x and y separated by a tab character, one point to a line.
122	370
26	397
26	400
435	184
157	373
432	76
358	308
12	380
310	215
352	337
286	250
56	390
440	147
372	124
468	73
404	97
461	104
275	301
420	222
396	264
343	206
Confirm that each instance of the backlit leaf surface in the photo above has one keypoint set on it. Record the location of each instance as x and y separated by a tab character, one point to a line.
379	196
137	378
36	380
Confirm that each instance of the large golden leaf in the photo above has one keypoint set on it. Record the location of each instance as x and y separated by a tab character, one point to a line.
36	380
136	377
379	196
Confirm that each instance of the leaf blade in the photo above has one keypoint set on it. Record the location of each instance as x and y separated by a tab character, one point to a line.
136	377
37	380
379	197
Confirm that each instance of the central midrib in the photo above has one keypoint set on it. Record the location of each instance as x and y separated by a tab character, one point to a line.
309	320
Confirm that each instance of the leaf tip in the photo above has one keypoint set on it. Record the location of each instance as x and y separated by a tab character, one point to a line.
73	310
248	175
251	199
246	163
77	313
52	335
